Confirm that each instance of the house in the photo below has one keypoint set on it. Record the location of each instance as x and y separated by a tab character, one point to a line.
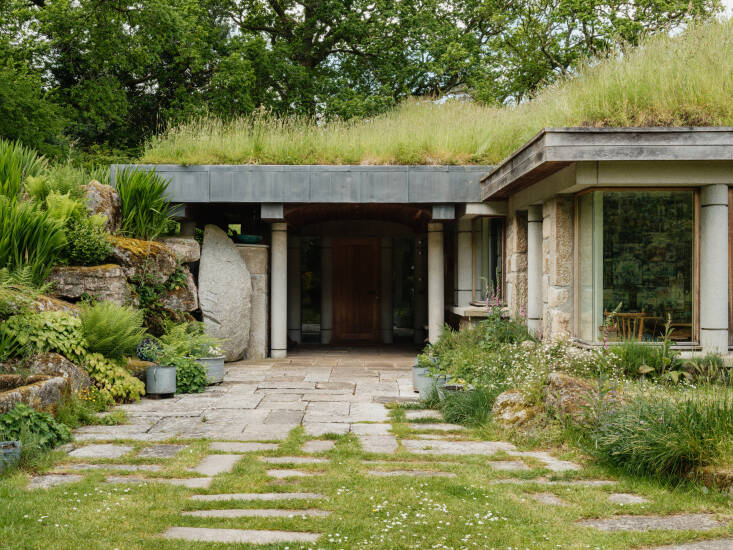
575	224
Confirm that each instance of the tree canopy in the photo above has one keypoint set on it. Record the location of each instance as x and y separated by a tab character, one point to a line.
107	74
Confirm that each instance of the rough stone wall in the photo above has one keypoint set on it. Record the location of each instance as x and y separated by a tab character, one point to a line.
557	268
515	292
256	258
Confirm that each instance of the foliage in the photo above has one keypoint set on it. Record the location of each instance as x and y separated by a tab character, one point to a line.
663	433
54	331
16	164
86	240
148	349
30	237
471	407
113	379
190	375
64	178
22	420
17	291
81	409
709	369
188	340
10	346
62	207
149	292
111	329
686	79
146	213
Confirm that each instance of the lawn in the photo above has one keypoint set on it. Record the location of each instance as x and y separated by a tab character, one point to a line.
685	80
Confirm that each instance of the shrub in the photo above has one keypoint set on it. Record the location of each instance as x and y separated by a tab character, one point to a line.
22	421
54	331
113	379
29	236
146	213
111	329
667	434
16	164
86	241
188	340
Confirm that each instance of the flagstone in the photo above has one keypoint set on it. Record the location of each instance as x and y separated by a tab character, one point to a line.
545	481
245	536
548	498
421	414
248	447
52	480
284	417
316	429
508	465
216	464
189	482
259	496
285	473
551	463
626	498
410	473
121	467
257	513
715	544
456	447
318	446
371	429
160	451
378	443
442	427
679	522
101	451
293	460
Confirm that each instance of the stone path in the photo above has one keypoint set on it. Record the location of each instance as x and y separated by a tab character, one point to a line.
679	522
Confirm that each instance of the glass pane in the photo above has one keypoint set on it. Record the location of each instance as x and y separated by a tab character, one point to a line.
488	238
648	259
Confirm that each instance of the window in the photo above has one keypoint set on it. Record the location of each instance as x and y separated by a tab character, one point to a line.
636	251
488	246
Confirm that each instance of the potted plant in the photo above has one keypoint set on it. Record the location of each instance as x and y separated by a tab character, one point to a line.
423	379
10	452
188	340
160	379
210	357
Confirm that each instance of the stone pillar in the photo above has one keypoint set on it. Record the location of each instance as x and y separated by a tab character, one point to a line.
534	268
385	293
279	291
326	290
294	312
420	286
436	287
557	268
515	293
714	268
464	264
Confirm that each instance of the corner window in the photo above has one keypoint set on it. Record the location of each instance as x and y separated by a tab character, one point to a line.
636	251
488	246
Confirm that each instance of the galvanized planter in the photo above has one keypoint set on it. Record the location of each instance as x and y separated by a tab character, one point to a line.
214	369
160	381
10	452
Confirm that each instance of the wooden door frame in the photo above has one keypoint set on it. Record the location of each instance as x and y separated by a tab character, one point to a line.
338	337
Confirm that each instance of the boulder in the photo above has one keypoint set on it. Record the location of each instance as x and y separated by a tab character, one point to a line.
49	303
186	249
715	477
43	393
512	409
225	293
102	282
103	199
568	396
55	364
136	256
184	298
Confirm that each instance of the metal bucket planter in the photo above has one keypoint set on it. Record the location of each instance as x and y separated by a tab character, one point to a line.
10	452
160	381
214	369
418	373
451	389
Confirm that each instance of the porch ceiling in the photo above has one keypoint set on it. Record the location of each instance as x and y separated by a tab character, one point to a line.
414	216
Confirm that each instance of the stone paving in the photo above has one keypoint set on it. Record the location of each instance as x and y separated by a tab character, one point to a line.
335	391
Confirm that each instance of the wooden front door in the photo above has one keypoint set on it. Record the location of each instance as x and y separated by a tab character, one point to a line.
356	291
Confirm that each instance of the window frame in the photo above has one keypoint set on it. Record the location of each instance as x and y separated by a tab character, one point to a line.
475	243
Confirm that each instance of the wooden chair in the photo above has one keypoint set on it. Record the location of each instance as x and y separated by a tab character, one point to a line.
629	326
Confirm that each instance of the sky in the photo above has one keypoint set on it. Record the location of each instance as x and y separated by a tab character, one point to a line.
728	6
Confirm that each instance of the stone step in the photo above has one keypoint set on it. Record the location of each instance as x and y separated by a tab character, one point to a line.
293	460
378	443
551	463
318	446
190	482
242	447
456	447
439	427
101	451
216	464
545	481
411	473
548	498
626	498
678	522
423	414
283	473
258	496
508	465
242	536
257	513
121	467
52	480
161	451
715	544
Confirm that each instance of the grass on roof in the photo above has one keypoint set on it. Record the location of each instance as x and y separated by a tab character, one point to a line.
686	80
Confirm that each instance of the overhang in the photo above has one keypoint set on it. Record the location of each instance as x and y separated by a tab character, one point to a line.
554	148
318	184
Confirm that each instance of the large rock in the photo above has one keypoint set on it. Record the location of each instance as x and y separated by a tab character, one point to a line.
101	282
43	393
103	199
512	409
184	298
49	303
55	364
568	396
225	293
256	259
136	257
186	249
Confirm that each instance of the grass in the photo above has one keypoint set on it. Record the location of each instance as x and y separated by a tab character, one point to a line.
367	512
668	81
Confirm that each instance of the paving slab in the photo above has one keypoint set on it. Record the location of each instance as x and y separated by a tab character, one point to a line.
244	536
285	473
456	447
545	481
333	408
626	498
368	412
378	443
679	522
101	451
189	482
548	498
551	463
284	417
395	399
438	427
508	465
258	496
716	544
112	437
216	464
161	451
257	513
121	467
410	473
52	480
423	414
237	447
316	429
371	429
293	460
318	446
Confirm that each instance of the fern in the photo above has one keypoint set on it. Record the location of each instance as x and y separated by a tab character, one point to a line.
17	291
111	330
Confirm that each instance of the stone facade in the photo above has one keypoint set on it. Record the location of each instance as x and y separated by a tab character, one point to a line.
256	258
515	292
557	268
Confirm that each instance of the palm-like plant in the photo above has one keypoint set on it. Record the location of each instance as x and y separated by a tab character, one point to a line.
146	213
